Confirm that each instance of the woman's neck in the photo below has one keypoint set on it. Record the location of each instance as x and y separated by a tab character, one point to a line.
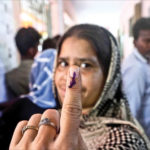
86	110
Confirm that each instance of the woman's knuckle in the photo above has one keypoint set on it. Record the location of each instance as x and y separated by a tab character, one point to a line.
73	110
22	123
50	111
35	116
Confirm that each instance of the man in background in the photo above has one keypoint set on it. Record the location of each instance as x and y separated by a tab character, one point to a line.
17	80
136	74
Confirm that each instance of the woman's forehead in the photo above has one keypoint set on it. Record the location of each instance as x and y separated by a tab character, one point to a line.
73	46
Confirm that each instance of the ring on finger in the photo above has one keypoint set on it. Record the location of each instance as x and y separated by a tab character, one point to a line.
25	128
48	122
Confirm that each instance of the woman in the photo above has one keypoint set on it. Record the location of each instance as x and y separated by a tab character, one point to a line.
87	71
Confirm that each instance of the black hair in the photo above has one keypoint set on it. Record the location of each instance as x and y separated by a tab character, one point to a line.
98	38
56	39
48	43
26	38
141	24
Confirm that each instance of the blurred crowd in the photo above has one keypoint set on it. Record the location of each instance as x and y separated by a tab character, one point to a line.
29	82
16	82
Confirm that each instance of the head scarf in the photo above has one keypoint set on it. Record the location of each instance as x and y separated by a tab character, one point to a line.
111	108
112	102
41	80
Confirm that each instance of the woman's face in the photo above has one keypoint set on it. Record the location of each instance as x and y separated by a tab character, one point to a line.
75	51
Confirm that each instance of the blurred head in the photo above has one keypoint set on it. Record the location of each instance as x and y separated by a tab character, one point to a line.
41	78
56	39
27	40
48	43
141	34
89	47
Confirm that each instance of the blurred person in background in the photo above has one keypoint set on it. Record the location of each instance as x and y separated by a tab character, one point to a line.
48	43
136	74
56	39
17	80
51	43
3	92
40	97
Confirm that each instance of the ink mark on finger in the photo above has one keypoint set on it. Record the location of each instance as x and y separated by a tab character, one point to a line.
73	82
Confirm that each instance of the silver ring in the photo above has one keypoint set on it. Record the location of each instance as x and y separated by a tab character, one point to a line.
25	128
48	122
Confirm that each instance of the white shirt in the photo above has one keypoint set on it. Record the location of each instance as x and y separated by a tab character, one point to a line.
136	85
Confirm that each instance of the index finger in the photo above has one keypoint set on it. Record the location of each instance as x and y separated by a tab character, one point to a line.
72	108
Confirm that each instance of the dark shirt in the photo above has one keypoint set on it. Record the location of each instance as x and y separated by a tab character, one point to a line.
21	109
17	80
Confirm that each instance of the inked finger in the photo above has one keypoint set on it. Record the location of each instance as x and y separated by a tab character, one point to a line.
72	108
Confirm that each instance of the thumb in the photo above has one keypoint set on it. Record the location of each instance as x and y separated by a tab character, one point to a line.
72	108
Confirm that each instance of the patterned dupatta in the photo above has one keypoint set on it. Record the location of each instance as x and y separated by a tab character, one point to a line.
110	110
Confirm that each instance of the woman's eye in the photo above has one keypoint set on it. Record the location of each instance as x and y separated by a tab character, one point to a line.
85	65
62	64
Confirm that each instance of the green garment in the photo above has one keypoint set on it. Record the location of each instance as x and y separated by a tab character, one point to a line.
17	80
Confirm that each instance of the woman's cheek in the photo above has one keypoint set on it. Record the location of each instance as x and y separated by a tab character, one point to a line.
56	77
87	81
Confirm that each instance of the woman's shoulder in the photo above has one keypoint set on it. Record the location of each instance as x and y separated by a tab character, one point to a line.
125	137
105	134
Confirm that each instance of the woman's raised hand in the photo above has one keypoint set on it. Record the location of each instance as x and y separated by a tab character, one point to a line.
41	131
